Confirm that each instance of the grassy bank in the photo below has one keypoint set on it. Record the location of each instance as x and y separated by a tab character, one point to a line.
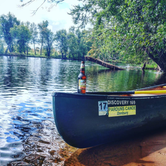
30	55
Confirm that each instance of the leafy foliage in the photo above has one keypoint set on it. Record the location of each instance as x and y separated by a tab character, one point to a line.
125	29
61	38
78	43
34	33
49	38
22	36
42	29
7	22
74	44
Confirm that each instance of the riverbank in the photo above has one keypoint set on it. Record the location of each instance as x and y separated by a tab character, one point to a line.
152	66
29	55
36	56
149	150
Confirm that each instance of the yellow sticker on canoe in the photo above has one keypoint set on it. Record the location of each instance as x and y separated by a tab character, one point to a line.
122	111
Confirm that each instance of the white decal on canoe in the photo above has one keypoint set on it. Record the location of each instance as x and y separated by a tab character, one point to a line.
103	108
121	102
118	102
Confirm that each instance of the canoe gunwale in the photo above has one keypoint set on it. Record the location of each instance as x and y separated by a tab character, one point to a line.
112	94
106	97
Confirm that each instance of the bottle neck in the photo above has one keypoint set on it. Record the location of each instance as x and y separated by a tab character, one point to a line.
82	68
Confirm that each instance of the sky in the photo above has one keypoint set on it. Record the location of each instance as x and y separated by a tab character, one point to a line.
57	17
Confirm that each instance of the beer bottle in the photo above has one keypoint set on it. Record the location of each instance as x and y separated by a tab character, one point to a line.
82	79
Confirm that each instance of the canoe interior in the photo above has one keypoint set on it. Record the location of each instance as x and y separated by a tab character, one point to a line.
131	93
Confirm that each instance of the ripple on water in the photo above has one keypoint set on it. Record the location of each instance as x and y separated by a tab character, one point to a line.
27	132
11	151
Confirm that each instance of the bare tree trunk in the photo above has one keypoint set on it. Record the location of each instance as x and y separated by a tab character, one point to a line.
7	49
34	49
41	50
102	63
143	68
158	68
41	47
160	59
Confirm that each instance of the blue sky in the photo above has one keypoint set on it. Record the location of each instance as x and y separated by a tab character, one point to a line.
57	16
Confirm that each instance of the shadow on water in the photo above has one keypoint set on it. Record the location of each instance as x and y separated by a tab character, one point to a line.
161	79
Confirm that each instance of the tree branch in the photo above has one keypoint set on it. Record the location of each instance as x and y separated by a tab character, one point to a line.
27	3
34	12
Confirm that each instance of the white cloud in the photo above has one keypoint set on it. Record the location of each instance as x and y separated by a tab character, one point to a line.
57	16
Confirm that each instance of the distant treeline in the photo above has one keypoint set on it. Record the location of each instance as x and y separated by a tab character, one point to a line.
37	39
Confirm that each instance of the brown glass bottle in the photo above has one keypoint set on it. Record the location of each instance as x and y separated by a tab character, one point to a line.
82	79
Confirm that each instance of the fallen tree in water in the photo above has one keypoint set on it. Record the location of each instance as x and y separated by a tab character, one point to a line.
102	63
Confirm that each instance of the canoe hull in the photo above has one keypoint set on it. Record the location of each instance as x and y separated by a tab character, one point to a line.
89	120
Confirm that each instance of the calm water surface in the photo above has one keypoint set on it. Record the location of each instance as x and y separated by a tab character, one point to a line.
28	135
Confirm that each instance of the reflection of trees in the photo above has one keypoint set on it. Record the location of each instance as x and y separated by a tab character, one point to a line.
7	80
17	72
46	67
68	74
24	72
161	79
14	74
107	80
153	78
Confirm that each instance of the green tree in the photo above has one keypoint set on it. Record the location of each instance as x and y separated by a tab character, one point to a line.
22	36
7	22
34	32
78	43
131	29
28	25
81	42
72	44
62	42
42	29
49	38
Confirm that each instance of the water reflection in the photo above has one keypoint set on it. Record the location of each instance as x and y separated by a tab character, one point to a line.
107	80
27	130
161	79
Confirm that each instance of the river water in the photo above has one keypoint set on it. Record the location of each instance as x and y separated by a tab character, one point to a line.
28	135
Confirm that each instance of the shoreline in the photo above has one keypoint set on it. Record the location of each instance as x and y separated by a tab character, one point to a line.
147	150
52	57
38	56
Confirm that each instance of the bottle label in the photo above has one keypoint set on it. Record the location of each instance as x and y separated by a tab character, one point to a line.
82	66
82	84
